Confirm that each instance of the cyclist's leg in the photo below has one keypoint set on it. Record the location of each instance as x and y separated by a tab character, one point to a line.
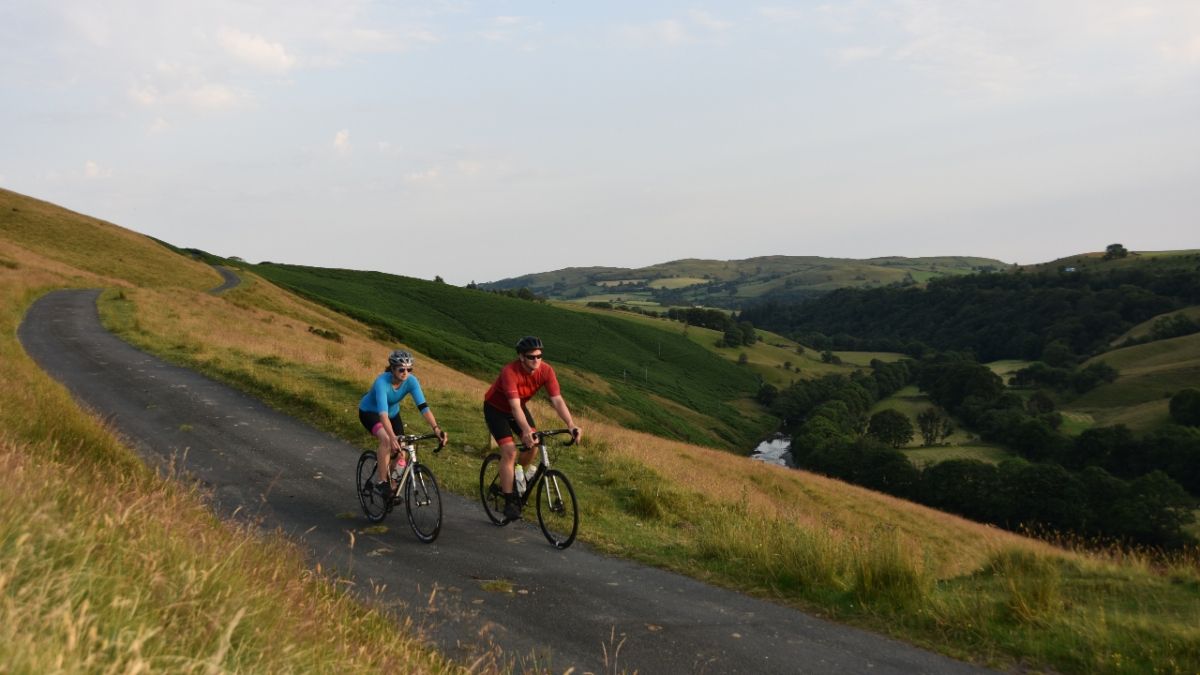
527	453
508	458
504	429
384	452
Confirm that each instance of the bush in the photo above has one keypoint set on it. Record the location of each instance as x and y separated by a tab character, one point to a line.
1185	407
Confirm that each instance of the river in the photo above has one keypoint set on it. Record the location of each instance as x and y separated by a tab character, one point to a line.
774	450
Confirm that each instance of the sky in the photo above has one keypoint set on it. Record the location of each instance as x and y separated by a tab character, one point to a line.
484	140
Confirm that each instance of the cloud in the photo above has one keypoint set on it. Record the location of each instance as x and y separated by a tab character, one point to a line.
698	26
782	13
470	167
859	53
668	32
92	171
429	175
513	29
255	50
1186	51
341	142
212	96
1015	49
708	21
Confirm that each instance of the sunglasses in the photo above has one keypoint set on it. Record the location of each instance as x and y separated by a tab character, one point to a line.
532	357
403	369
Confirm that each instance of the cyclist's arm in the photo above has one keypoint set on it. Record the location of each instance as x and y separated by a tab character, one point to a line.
560	407
418	397
428	414
518	413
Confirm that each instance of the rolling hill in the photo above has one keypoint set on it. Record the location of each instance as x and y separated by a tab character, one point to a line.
98	550
731	283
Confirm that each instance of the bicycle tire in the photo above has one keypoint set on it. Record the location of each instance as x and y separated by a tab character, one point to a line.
557	510
374	506
489	489
423	502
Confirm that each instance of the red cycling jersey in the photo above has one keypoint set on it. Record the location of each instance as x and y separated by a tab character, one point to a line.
516	382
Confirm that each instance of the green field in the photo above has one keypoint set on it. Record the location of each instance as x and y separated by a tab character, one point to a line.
474	331
1148	374
729	282
1143	329
773	358
958	445
676	282
108	567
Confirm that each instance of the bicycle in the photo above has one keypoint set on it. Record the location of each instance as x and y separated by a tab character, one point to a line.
557	513
422	500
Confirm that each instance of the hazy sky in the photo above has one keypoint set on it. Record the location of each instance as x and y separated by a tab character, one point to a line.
483	140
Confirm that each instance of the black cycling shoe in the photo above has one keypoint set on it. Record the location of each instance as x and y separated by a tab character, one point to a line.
383	489
512	510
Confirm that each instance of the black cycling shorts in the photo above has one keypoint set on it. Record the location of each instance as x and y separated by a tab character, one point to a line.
503	426
370	420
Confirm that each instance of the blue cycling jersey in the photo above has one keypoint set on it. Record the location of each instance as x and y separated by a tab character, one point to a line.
382	396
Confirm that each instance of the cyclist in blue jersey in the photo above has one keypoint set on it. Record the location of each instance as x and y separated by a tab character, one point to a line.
379	412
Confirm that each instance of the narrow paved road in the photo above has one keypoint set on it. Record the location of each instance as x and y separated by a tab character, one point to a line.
566	605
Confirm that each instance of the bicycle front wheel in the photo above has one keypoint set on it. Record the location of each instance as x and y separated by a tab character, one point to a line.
374	505
424	503
557	512
489	489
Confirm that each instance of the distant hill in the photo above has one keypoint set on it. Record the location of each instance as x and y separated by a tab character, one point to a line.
731	283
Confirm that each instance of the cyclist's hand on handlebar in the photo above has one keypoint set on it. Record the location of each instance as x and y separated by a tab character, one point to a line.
443	439
528	439
576	435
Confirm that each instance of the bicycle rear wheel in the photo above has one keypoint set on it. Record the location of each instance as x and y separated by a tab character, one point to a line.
374	505
424	503
489	489
557	512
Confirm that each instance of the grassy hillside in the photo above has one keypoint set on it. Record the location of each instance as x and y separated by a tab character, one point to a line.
852	554
729	283
646	378
105	567
1144	329
848	553
774	359
1187	260
1148	374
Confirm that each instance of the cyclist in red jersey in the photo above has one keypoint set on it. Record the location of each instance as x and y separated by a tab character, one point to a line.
517	383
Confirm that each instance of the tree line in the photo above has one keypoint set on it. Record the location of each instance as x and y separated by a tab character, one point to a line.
1106	483
1054	317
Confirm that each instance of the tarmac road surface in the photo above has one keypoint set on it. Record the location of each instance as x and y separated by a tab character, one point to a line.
574	608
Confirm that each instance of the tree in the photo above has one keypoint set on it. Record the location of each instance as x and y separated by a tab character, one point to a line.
1114	251
891	426
935	426
1185	407
1040	402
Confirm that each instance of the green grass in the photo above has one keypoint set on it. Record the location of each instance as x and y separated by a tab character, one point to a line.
106	567
90	578
474	331
1148	375
992	454
753	278
1143	329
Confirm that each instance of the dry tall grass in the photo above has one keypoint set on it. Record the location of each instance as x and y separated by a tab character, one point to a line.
931	578
107	568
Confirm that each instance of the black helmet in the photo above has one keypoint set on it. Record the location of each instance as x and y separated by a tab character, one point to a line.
400	358
528	344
